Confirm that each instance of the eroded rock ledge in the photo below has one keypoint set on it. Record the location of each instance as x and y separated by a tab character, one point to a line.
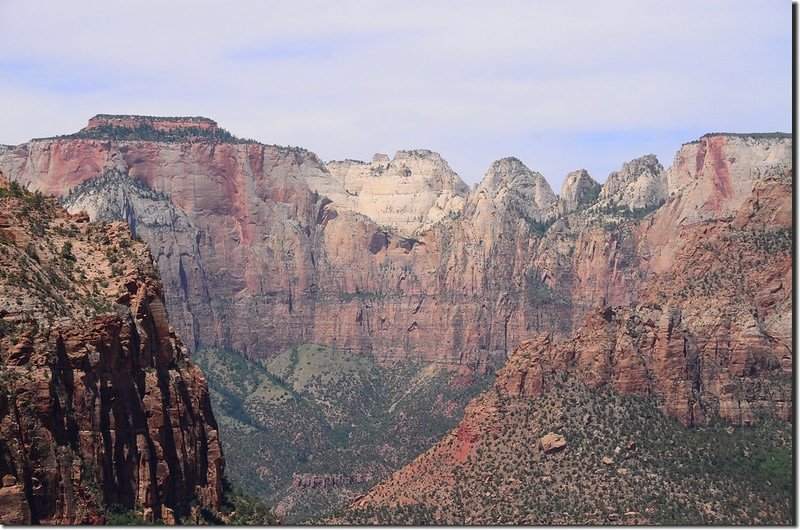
99	405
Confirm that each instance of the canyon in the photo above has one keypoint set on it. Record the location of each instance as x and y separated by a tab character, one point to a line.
671	285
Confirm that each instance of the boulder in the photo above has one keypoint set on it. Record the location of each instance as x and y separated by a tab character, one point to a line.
552	443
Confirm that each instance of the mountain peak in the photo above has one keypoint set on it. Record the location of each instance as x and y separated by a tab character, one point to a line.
511	174
509	185
578	189
640	183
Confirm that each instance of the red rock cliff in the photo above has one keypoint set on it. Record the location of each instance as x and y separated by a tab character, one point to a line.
99	405
260	249
164	124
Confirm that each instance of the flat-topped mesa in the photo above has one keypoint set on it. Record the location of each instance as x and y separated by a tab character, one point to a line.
159	123
639	184
130	127
410	192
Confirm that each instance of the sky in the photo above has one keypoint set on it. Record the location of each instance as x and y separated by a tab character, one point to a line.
561	85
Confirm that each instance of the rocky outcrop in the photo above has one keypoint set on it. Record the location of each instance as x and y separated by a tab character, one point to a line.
641	183
152	217
715	174
577	190
409	193
650	352
552	443
99	405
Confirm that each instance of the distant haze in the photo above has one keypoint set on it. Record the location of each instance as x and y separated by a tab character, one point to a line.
560	85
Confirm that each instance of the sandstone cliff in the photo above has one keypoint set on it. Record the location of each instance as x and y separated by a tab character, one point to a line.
409	193
707	335
262	247
641	183
716	173
99	405
258	255
577	190
676	283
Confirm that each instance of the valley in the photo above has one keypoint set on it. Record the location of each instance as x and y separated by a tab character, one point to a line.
384	344
326	425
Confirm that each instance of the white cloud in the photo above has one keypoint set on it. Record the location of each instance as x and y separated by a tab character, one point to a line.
474	80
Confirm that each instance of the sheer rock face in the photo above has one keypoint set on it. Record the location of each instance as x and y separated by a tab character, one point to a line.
716	174
641	183
409	193
262	248
578	189
256	257
99	405
328	480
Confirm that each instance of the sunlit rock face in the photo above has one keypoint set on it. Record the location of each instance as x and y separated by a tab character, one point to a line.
263	247
409	193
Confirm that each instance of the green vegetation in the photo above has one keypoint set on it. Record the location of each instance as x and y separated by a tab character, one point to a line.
121	516
743	256
316	410
590	197
236	508
111	177
538	228
626	212
36	200
670	475
66	251
146	131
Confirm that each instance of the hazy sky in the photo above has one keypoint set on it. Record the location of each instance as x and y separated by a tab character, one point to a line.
561	85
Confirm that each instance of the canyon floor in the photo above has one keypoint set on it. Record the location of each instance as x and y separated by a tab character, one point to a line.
313	428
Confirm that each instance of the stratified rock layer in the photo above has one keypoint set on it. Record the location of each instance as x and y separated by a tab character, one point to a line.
257	255
99	405
709	336
262	248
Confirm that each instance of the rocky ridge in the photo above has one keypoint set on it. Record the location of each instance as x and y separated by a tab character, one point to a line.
270	239
99	405
709	337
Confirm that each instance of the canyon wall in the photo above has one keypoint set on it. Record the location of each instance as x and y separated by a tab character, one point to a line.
262	247
99	405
